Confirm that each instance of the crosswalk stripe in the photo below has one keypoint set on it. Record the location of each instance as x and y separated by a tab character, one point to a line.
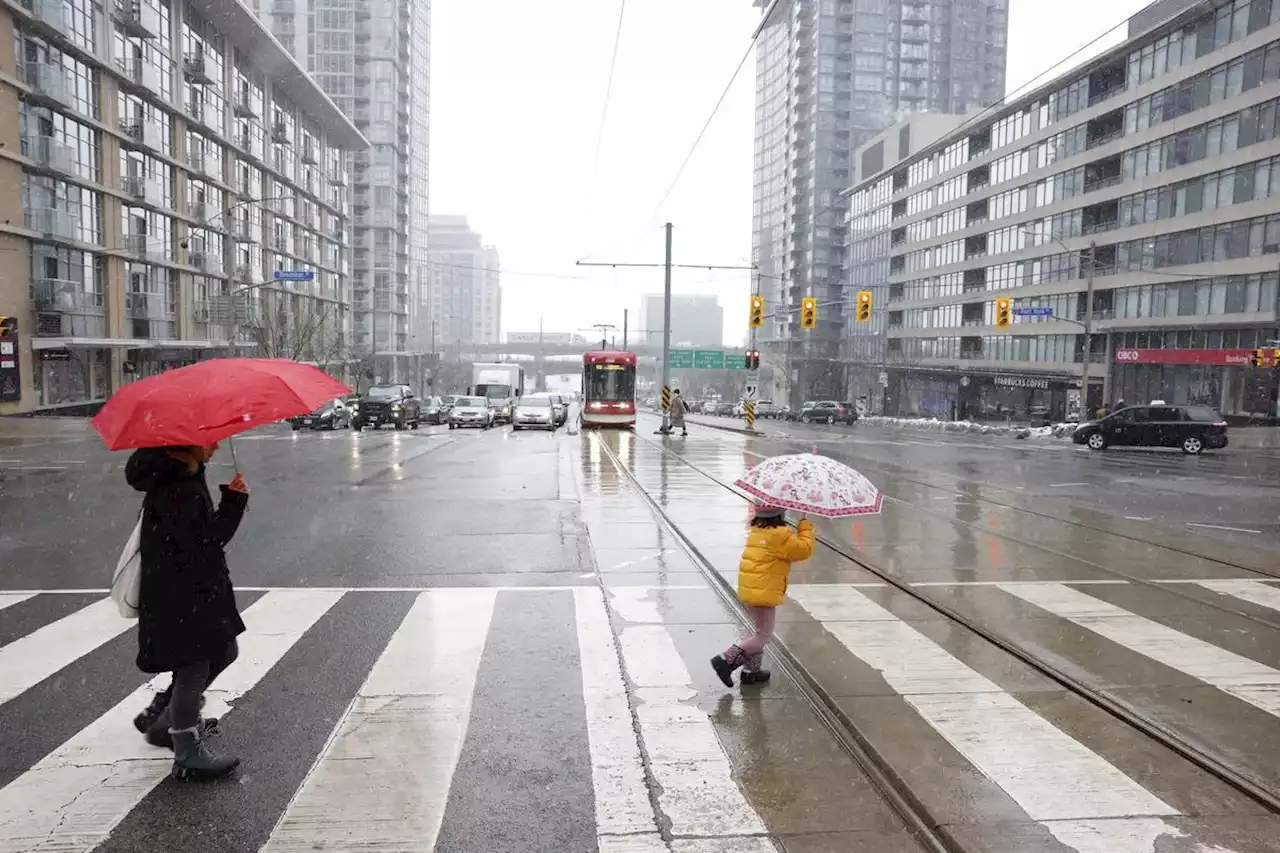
1254	592
698	791
405	727
26	662
73	797
1255	683
1030	759
8	599
617	770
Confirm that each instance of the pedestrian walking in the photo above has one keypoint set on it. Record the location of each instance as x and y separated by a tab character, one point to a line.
762	585
187	615
678	408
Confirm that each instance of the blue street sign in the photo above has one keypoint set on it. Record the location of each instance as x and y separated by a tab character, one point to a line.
1033	312
294	275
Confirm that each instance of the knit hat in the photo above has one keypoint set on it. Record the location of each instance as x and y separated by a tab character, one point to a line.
770	512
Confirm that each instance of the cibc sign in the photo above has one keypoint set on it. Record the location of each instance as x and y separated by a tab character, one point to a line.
1218	357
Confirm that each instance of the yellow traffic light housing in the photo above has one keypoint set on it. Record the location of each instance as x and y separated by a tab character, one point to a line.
1259	357
808	312
864	306
757	310
7	324
1004	313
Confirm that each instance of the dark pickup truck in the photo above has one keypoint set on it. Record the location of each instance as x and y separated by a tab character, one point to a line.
388	404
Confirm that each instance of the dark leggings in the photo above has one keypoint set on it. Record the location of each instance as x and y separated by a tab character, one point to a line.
190	682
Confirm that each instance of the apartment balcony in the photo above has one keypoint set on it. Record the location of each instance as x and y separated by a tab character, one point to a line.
49	84
51	153
244	192
308	155
53	222
146	247
136	18
245	232
54	14
242	106
195	111
140	76
142	133
150	318
198	161
280	133
207	262
65	310
196	70
201	211
143	188
280	242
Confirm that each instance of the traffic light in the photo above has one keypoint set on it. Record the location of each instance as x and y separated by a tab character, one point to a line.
864	306
808	312
1259	357
752	359
8	325
1004	313
757	310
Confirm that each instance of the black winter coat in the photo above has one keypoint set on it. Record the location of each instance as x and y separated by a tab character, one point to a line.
187	607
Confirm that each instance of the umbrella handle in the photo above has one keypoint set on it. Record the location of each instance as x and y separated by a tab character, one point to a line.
231	444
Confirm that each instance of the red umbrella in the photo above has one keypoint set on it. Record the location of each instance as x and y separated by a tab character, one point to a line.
212	400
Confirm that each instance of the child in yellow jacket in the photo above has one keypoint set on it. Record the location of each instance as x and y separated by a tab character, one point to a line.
762	586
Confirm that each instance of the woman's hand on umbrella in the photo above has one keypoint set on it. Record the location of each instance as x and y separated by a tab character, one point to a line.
238	484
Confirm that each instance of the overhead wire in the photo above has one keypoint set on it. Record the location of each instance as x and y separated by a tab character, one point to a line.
608	93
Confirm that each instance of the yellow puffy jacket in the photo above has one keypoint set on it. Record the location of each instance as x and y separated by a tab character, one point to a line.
766	562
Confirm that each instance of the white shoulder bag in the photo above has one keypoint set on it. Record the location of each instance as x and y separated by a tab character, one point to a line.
126	583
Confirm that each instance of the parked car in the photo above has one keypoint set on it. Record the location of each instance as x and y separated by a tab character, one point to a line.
388	404
433	411
331	415
766	409
1191	428
850	412
725	408
470	411
537	411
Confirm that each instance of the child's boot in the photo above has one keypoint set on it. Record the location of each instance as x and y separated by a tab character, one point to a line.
751	671
725	664
194	760
158	734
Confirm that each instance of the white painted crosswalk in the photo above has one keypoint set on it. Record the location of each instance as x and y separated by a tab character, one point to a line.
392	768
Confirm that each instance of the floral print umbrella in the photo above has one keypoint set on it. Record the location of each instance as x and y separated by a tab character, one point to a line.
812	484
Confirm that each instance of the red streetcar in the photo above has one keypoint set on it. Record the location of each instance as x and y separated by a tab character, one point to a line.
609	389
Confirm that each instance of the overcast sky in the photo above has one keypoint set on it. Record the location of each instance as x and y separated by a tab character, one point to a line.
517	95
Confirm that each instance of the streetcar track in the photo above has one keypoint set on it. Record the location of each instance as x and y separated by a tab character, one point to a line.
929	829
1198	754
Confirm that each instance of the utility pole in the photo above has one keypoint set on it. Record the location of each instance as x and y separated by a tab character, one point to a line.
667	266
624	328
666	336
1088	333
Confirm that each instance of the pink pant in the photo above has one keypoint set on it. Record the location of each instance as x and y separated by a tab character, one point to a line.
754	644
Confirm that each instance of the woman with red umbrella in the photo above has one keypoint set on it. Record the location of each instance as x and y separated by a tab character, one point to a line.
187	615
186	606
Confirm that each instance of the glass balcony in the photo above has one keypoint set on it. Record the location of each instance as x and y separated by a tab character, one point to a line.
65	309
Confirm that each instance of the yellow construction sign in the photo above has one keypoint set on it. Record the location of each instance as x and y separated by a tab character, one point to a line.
666	398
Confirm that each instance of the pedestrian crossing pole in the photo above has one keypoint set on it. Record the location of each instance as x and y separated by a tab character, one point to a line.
666	337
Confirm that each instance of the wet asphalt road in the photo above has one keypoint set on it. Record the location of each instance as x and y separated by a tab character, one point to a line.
488	641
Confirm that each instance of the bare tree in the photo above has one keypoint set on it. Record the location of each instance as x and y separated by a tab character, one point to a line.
299	329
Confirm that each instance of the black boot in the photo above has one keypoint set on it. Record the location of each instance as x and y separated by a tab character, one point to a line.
725	664
757	676
193	760
158	735
144	721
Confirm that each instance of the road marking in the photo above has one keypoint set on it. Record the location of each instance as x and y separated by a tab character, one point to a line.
1137	518
623	810
29	660
1066	485
37	468
72	798
8	599
1030	759
698	792
1255	683
405	727
1222	527
656	556
1254	592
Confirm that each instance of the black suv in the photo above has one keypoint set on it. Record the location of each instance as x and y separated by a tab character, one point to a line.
1192	428
388	404
826	411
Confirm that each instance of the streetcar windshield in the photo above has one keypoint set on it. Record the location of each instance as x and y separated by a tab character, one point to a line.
610	382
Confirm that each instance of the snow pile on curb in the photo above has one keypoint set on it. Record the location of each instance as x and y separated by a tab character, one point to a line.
1060	430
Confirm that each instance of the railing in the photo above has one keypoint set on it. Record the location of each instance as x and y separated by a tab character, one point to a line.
53	221
48	80
51	152
1103	139
1101	183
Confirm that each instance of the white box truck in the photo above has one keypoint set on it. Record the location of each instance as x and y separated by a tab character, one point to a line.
500	384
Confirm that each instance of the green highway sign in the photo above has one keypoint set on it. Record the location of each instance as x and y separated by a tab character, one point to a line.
680	358
708	359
